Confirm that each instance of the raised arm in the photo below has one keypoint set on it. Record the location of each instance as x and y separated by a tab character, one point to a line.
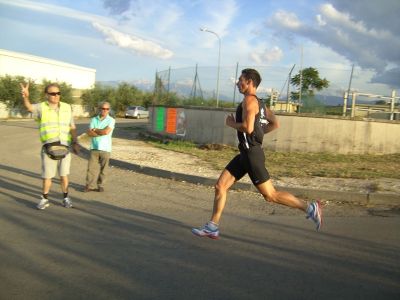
25	96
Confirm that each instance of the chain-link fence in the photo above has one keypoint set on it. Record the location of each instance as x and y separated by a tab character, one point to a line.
201	86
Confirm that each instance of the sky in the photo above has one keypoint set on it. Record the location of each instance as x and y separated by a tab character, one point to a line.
129	40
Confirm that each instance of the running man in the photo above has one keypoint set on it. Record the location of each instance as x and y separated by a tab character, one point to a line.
251	160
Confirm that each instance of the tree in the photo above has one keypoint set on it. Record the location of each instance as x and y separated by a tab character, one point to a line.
159	89
310	82
10	91
91	98
126	95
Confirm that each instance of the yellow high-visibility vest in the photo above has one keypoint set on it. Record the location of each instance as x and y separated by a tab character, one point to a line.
55	126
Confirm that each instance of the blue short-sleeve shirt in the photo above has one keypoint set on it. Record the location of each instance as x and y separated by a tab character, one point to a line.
103	142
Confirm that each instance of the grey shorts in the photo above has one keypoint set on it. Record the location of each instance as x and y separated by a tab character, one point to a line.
50	167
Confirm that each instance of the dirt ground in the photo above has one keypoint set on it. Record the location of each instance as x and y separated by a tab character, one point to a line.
140	153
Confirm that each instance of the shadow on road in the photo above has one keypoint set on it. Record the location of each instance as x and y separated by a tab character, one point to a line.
108	248
98	250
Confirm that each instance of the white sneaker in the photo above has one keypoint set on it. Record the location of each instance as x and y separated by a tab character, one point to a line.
67	203
314	212
43	203
210	230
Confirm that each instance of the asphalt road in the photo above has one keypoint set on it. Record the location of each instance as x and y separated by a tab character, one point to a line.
134	240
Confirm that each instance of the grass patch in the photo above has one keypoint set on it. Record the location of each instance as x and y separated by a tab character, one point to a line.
296	164
133	128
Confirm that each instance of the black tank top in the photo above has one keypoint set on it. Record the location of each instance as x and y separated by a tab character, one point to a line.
256	137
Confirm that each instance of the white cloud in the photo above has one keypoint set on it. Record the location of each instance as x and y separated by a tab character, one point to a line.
286	19
126	41
219	15
185	82
351	34
130	42
267	56
56	10
170	16
320	20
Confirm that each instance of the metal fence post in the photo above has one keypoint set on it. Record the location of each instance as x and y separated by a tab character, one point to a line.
353	104
393	98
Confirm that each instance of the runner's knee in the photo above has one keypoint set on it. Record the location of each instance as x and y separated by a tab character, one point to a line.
220	188
271	197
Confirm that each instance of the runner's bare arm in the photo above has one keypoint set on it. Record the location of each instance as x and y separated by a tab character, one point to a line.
272	122
250	109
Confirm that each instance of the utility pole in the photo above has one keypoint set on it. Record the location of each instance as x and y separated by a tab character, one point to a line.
288	89
234	84
219	58
301	77
392	100
351	78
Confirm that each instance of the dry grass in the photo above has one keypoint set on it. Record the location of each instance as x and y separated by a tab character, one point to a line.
365	166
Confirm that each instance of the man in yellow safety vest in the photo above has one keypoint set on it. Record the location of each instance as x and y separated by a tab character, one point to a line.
58	135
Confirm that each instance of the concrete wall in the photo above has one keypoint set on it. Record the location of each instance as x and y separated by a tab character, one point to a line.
38	68
296	133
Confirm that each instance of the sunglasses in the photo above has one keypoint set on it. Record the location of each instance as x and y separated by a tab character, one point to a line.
54	94
104	108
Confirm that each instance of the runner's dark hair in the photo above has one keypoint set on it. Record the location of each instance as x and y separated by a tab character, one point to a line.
252	74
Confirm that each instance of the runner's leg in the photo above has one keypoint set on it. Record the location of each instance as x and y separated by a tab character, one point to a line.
225	181
271	194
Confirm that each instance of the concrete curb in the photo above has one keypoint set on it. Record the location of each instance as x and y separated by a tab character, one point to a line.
368	199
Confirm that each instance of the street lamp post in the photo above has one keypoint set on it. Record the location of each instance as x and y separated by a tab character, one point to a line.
219	58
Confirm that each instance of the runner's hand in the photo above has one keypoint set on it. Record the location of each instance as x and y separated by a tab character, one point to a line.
230	120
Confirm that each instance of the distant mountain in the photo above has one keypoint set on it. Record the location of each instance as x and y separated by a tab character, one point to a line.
143	85
330	100
335	100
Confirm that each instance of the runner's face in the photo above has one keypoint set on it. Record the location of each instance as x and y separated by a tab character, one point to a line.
243	84
53	95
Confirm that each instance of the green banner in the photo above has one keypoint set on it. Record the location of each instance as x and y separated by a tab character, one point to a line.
160	118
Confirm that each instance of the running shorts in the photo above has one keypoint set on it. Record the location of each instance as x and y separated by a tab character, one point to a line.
252	162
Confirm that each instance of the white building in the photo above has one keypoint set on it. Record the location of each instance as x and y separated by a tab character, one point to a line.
39	68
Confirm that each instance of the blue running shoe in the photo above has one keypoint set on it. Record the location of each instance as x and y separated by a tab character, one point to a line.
314	212
209	230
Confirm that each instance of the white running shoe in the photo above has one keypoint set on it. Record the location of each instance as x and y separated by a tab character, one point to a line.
314	212
43	203
209	230
67	203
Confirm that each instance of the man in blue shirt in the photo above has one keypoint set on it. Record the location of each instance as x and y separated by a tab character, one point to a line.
100	130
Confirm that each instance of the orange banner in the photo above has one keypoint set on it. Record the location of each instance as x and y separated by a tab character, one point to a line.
171	121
